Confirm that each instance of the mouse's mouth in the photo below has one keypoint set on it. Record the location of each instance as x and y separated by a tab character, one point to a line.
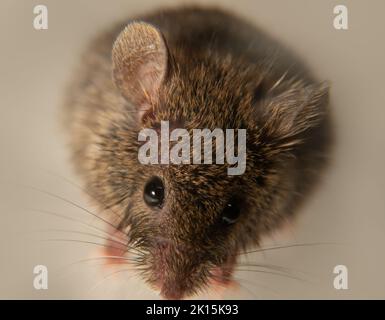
181	284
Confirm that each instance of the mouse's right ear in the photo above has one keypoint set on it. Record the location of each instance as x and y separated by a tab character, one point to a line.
140	63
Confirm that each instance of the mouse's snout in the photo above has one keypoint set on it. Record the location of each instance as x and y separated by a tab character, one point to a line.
178	269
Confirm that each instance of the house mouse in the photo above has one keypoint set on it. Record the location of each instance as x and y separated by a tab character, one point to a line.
195	67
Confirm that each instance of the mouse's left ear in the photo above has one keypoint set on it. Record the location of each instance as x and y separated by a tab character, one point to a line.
140	61
286	117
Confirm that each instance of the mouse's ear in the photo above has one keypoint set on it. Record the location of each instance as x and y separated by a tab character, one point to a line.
289	114
140	63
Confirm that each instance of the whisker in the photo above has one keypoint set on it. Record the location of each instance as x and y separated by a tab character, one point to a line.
113	273
273	273
84	233
290	246
62	271
257	285
128	248
106	277
105	207
123	258
281	270
274	267
244	287
81	241
75	205
78	221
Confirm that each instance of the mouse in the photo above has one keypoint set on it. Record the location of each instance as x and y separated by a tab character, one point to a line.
195	67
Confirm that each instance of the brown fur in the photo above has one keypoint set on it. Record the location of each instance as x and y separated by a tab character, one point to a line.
205	69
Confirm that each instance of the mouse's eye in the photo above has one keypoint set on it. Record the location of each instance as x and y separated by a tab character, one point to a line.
231	212
154	192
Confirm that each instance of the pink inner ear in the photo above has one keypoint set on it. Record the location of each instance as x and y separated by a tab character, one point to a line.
140	59
150	76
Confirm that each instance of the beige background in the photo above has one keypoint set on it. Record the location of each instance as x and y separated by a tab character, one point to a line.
348	208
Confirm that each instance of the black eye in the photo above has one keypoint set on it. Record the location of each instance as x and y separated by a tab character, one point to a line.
153	194
231	212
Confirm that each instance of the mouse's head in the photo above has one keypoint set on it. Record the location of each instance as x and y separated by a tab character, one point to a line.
190	221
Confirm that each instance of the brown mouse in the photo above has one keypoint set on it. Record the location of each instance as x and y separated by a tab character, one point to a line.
196	68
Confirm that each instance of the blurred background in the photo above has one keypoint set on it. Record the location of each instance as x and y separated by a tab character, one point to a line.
40	226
